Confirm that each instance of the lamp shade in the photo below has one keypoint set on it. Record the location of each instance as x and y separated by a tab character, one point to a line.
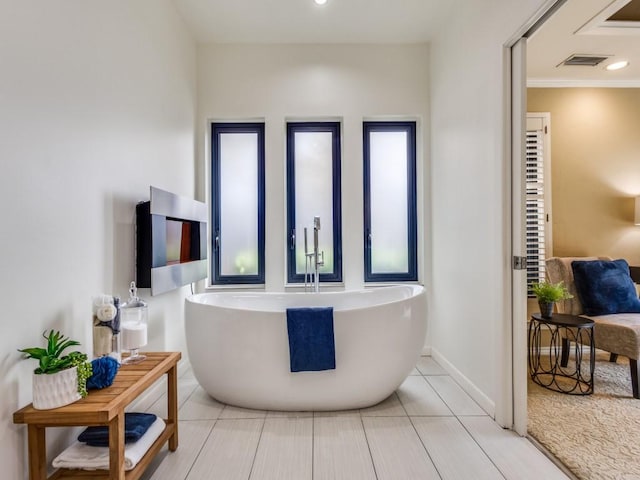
636	218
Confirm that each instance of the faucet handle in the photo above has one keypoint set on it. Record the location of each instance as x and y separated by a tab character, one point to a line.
321	261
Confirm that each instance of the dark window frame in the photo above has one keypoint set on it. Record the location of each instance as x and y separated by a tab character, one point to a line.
334	129
216	130
409	127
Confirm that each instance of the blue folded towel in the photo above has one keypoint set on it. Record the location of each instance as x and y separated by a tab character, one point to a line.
311	340
135	425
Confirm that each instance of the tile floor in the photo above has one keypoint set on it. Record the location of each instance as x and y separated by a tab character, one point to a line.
428	429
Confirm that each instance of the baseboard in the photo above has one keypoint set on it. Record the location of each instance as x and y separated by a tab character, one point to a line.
468	386
547	350
426	350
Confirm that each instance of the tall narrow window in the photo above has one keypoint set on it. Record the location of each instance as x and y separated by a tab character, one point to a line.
390	218
313	190
237	194
538	198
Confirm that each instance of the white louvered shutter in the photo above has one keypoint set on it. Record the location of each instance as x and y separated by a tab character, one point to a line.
537	204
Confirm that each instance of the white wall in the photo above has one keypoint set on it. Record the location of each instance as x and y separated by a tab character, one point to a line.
471	192
280	82
97	102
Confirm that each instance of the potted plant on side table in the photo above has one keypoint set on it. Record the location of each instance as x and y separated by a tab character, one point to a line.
59	379
548	294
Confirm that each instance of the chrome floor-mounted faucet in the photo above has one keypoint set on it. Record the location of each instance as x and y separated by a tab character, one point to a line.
313	259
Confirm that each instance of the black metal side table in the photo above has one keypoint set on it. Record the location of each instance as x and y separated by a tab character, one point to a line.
552	369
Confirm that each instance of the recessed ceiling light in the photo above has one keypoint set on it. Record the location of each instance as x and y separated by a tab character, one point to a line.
617	65
320	2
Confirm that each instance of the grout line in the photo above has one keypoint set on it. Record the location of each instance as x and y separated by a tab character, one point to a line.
458	420
416	431
366	438
255	455
406	414
439	396
425	447
480	446
470	397
463	426
215	422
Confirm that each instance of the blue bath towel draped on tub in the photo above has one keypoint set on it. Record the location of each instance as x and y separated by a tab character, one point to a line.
311	340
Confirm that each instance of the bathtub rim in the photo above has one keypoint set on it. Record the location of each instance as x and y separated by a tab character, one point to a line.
416	290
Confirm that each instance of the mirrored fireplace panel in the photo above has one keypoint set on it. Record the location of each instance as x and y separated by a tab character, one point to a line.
171	241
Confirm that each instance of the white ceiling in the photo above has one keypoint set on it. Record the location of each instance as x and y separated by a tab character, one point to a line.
302	21
563	35
415	21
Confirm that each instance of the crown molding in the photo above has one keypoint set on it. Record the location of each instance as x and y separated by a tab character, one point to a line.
566	83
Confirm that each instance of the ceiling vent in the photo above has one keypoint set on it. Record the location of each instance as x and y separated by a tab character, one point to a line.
584	60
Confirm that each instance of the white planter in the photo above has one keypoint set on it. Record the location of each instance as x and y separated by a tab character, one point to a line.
53	390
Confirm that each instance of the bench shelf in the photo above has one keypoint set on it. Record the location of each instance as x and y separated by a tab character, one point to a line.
106	407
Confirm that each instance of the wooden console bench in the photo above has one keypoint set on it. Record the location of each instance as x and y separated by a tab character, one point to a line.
106	407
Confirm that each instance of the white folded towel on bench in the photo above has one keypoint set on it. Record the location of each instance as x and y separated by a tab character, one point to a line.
82	456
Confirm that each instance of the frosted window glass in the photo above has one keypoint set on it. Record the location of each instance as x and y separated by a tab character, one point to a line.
313	197
238	204
388	183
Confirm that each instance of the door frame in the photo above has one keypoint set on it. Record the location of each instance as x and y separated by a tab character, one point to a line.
518	226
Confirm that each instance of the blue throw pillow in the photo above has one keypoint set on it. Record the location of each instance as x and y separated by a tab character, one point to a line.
605	287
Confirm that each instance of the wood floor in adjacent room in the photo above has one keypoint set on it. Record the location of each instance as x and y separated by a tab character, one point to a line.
428	429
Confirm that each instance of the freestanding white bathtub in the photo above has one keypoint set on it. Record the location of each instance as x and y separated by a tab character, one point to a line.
239	349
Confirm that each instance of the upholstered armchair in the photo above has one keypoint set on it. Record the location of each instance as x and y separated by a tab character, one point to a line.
617	333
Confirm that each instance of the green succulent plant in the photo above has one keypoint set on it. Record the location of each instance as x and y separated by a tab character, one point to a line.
548	292
51	359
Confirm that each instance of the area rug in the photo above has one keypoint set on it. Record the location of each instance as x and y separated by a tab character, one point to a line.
596	436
